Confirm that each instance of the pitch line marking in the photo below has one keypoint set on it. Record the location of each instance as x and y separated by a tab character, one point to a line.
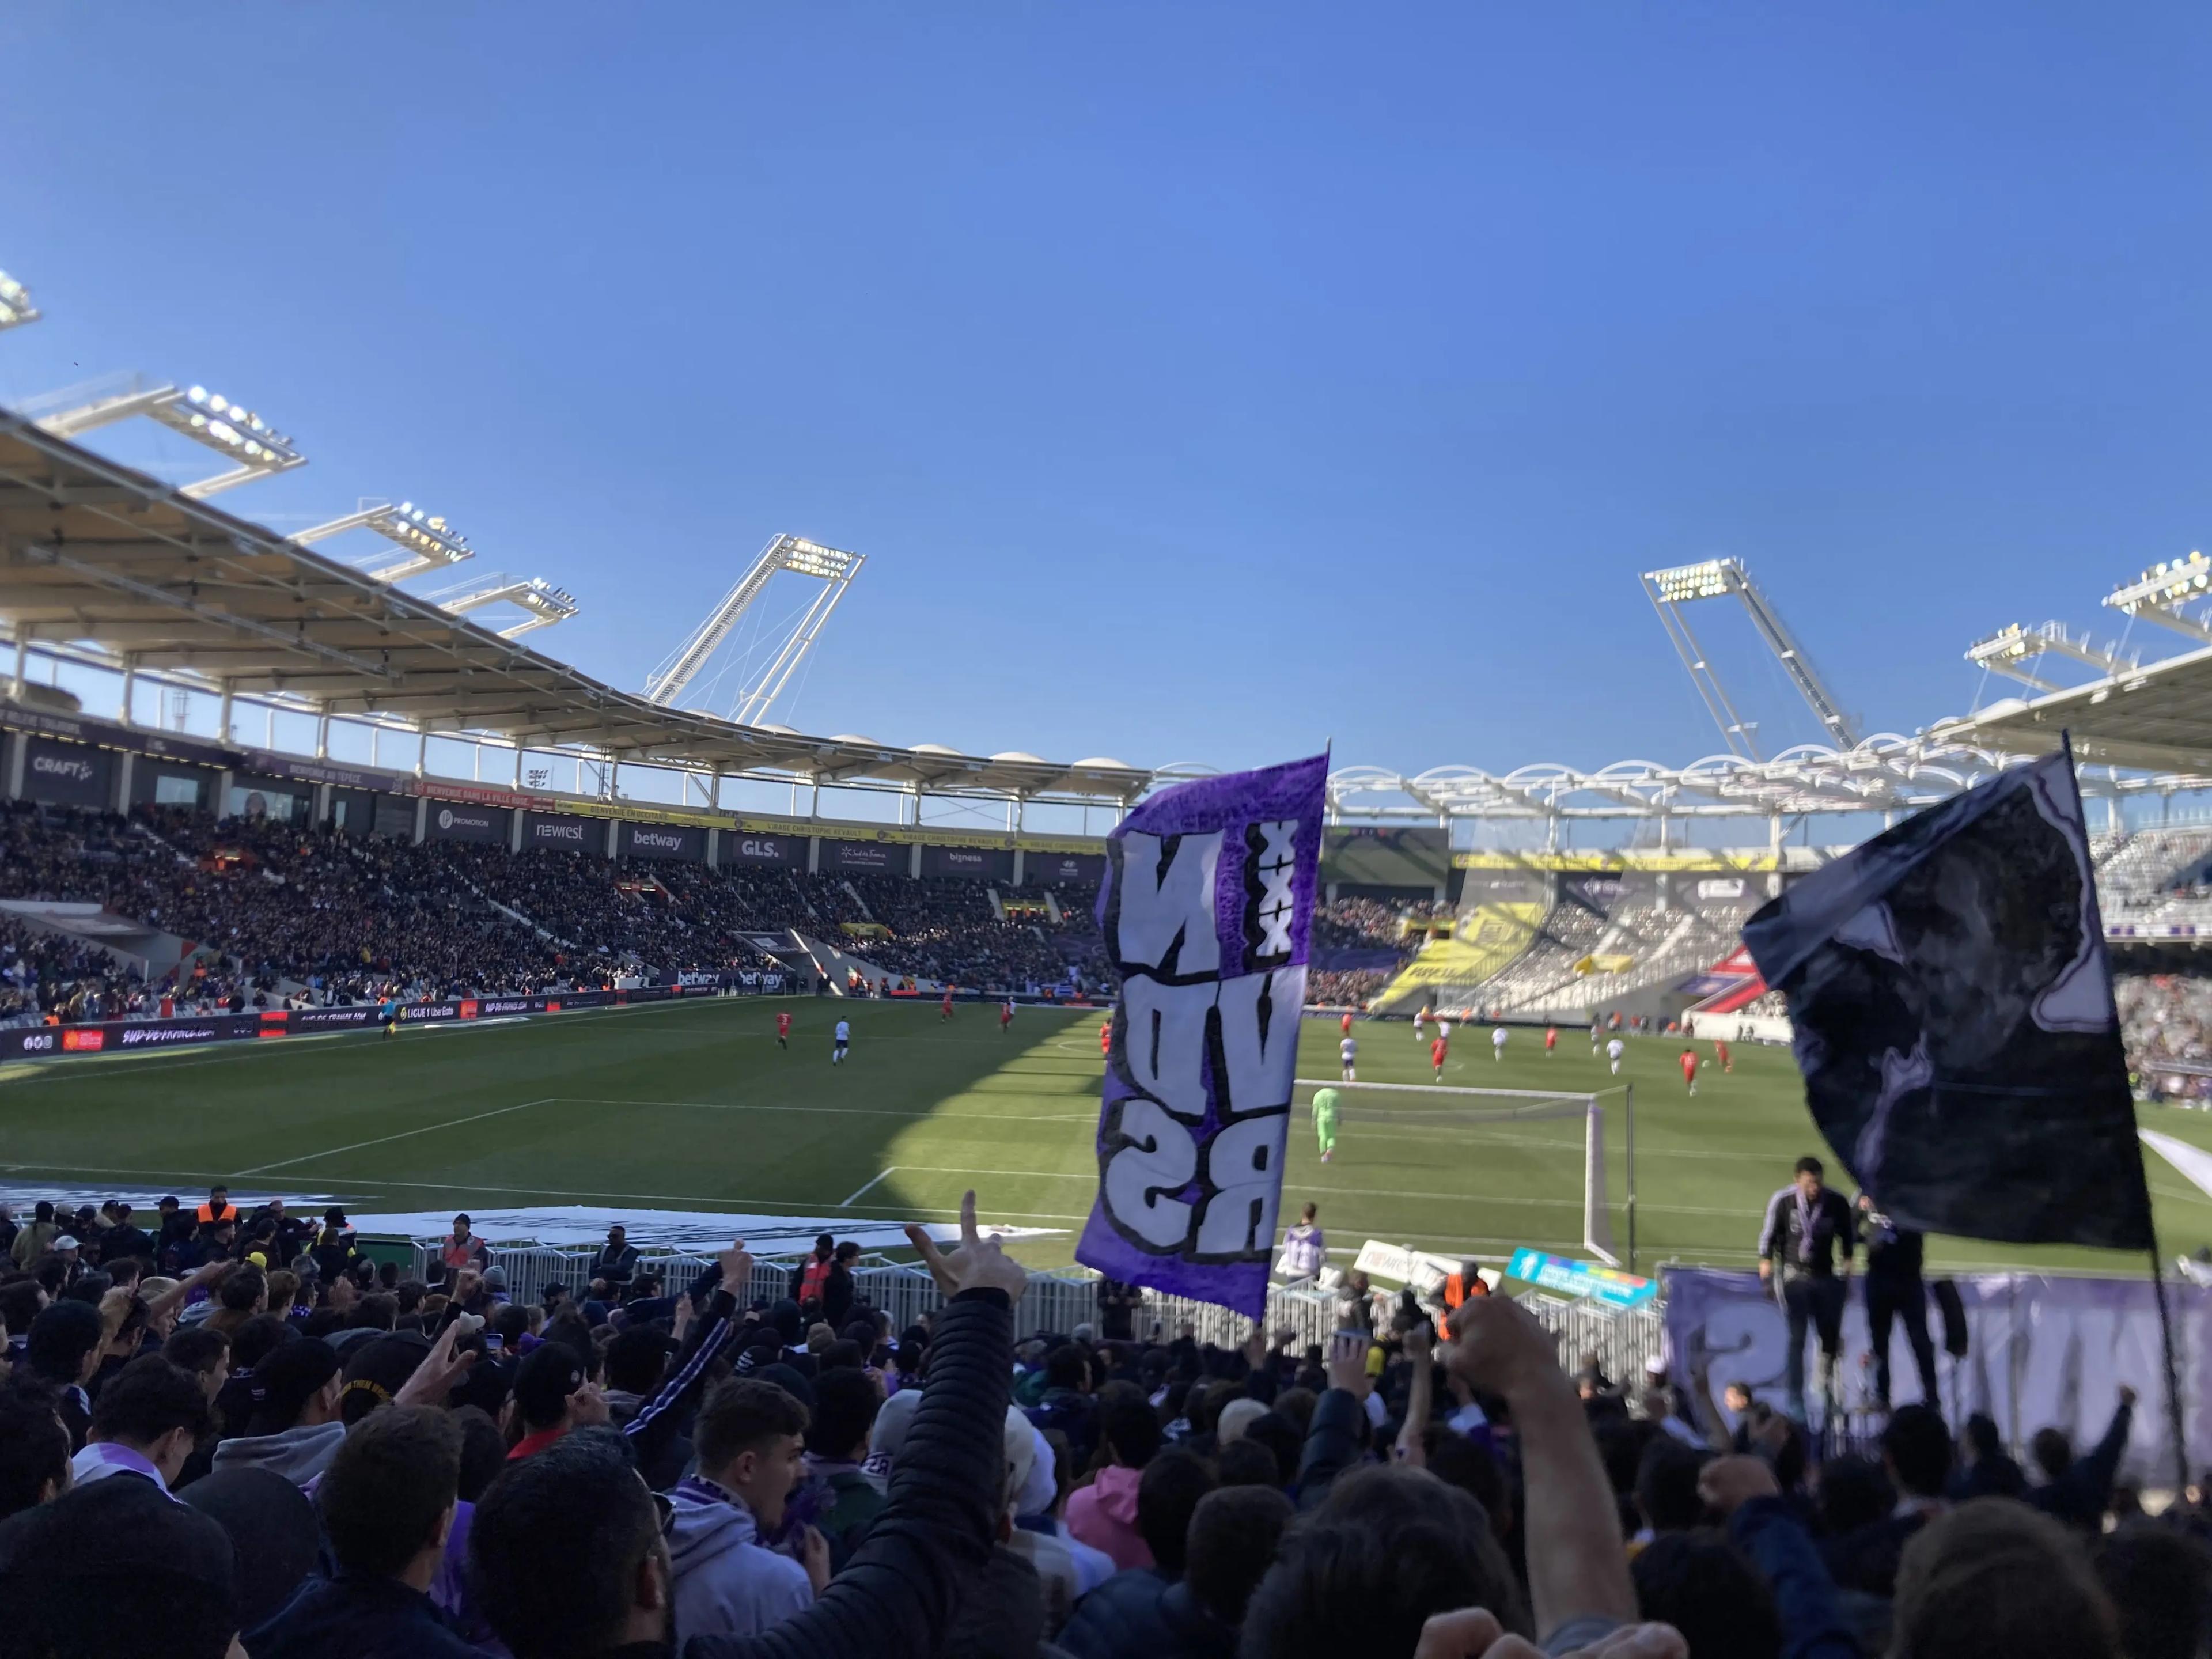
927	1116
428	1128
853	1198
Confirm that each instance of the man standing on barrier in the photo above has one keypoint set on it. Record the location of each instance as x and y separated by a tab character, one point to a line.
1894	1291
1806	1225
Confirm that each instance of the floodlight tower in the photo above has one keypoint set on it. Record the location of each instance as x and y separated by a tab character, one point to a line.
2009	650
830	566
1715	579
229	428
15	306
426	541
2160	592
545	603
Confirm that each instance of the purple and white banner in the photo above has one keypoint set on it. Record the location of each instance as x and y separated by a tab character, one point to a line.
1206	907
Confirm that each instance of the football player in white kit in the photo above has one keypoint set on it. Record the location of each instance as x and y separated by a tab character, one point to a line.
1498	1043
1613	1051
1348	1047
843	1040
1420	1025
1443	1027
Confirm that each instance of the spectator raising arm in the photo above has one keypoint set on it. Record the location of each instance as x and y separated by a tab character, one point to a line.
929	1548
1418	1344
1577	1565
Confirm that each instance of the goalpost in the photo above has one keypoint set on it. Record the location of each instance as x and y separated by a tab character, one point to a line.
1447	1106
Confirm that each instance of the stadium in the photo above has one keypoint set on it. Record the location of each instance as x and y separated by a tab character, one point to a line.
394	1014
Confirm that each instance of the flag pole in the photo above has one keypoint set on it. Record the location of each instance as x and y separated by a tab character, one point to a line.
2157	1266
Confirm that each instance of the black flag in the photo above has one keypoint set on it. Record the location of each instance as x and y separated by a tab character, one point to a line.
1954	1020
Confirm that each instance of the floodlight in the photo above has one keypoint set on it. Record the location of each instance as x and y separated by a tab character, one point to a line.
2160	592
426	538
832	566
15	306
545	603
206	418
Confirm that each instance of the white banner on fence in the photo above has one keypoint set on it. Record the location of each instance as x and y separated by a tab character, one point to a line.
2043	1352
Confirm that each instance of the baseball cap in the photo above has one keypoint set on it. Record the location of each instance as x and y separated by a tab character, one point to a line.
494	1279
377	1370
543	1382
287	1378
67	1242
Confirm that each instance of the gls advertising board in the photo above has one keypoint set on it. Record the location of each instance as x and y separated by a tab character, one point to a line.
785	850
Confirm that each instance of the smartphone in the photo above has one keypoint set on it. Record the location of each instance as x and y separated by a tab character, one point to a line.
493	1342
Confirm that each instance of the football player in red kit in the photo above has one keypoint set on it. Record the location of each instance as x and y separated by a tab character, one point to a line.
944	1010
1690	1069
783	1030
1721	1053
1551	1039
1347	1022
1106	1039
1437	1050
1006	1015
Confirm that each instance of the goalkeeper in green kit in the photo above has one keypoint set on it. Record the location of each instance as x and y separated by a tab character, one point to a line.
1324	1116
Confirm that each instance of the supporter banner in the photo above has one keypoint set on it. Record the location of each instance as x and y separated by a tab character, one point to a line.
1954	1020
115	736
863	855
322	1019
660	840
742	849
1208	907
444	823
1062	869
2042	1351
565	831
273	764
68	774
974	863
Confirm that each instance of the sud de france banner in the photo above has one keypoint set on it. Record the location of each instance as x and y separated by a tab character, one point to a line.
1206	908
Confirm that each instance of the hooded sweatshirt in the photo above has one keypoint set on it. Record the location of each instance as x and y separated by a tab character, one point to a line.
298	1454
726	1583
1103	1514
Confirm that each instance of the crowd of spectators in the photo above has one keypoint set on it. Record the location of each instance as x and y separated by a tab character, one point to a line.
948	930
1350	923
228	1429
278	910
2165	1026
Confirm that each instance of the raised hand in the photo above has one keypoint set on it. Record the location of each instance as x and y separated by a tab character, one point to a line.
1347	1364
432	1381
1726	1484
1497	1346
978	1264
736	1266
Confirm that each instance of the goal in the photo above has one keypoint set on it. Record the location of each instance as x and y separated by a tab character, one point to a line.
1453	1112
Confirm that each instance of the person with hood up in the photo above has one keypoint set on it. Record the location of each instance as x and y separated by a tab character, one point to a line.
295	1428
749	1438
1103	1514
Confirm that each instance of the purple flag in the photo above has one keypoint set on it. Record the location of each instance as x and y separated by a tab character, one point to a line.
1206	907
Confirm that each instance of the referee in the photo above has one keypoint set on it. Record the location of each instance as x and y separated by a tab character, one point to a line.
1807	1224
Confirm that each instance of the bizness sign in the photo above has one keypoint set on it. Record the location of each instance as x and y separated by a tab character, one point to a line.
67	774
661	841
567	832
446	823
739	848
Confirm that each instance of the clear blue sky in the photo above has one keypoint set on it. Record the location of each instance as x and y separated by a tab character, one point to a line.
1201	382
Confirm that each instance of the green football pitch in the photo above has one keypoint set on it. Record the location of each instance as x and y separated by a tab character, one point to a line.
692	1106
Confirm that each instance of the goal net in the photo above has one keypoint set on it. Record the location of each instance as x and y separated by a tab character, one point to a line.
1461	1115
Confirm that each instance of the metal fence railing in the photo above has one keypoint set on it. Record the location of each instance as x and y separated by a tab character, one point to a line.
1620	1340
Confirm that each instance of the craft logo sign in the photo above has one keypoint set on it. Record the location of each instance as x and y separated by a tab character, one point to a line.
1206	909
76	771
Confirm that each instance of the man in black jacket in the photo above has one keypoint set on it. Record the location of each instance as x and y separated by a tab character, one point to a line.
1894	1291
616	1260
566	1555
1807	1223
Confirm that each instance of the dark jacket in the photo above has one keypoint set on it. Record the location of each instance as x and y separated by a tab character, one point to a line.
1332	1446
1122	1618
934	1541
356	1617
1767	1530
118	1243
2079	1496
614	1266
1866	1557
1002	1616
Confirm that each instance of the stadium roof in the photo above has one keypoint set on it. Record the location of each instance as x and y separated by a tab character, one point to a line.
92	551
2158	718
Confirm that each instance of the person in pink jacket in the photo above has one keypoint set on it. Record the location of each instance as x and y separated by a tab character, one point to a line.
1103	1514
